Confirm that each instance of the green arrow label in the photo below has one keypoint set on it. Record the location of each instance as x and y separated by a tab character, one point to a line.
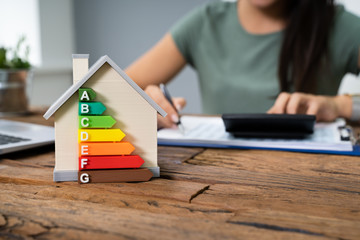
96	121
86	94
91	108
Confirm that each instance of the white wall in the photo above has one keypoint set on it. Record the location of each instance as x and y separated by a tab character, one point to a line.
54	75
351	5
17	18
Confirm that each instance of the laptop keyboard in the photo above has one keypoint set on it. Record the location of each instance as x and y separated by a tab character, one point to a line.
6	139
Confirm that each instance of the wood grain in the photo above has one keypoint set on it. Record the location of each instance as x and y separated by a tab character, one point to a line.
201	194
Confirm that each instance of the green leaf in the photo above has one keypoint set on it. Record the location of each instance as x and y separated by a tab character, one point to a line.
20	56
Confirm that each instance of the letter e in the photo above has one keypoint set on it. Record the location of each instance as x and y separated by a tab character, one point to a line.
84	150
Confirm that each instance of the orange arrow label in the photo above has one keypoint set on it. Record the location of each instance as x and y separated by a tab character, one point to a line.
98	149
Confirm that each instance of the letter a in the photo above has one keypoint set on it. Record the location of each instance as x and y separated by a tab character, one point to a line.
85	96
84	150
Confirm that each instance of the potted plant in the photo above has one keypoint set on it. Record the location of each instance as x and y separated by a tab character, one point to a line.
15	79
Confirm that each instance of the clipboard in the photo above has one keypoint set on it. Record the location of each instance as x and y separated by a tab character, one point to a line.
210	132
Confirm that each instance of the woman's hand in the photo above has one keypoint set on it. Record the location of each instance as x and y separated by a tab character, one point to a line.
325	108
172	116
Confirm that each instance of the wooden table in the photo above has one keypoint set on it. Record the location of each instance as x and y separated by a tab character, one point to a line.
201	194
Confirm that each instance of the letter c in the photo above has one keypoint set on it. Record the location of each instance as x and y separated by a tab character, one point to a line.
85	122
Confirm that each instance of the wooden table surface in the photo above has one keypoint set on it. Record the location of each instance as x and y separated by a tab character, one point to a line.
201	194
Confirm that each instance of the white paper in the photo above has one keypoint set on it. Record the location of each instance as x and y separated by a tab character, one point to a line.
211	130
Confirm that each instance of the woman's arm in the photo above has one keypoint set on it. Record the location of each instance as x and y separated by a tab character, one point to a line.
159	65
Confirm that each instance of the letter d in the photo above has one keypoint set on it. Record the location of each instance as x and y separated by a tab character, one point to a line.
84	136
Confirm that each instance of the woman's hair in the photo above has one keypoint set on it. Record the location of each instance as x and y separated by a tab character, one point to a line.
305	44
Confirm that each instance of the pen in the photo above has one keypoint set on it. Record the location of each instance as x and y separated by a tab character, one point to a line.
167	95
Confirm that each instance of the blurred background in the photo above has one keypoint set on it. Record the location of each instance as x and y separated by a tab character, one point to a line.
121	29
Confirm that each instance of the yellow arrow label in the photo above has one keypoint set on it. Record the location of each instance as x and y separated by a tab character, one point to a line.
100	135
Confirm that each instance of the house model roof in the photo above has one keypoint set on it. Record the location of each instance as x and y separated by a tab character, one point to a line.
104	59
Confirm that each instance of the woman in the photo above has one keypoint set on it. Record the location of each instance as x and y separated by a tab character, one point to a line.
249	51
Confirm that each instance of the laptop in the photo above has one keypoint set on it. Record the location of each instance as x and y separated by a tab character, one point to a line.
16	136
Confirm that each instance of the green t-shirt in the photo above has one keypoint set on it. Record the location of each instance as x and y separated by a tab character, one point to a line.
238	70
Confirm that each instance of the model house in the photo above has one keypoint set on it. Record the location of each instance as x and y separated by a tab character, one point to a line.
131	110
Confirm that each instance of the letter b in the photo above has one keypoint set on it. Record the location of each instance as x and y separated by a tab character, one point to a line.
85	108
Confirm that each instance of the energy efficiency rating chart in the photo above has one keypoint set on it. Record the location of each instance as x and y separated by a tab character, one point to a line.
101	149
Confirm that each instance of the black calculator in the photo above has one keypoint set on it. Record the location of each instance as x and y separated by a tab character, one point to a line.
269	125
